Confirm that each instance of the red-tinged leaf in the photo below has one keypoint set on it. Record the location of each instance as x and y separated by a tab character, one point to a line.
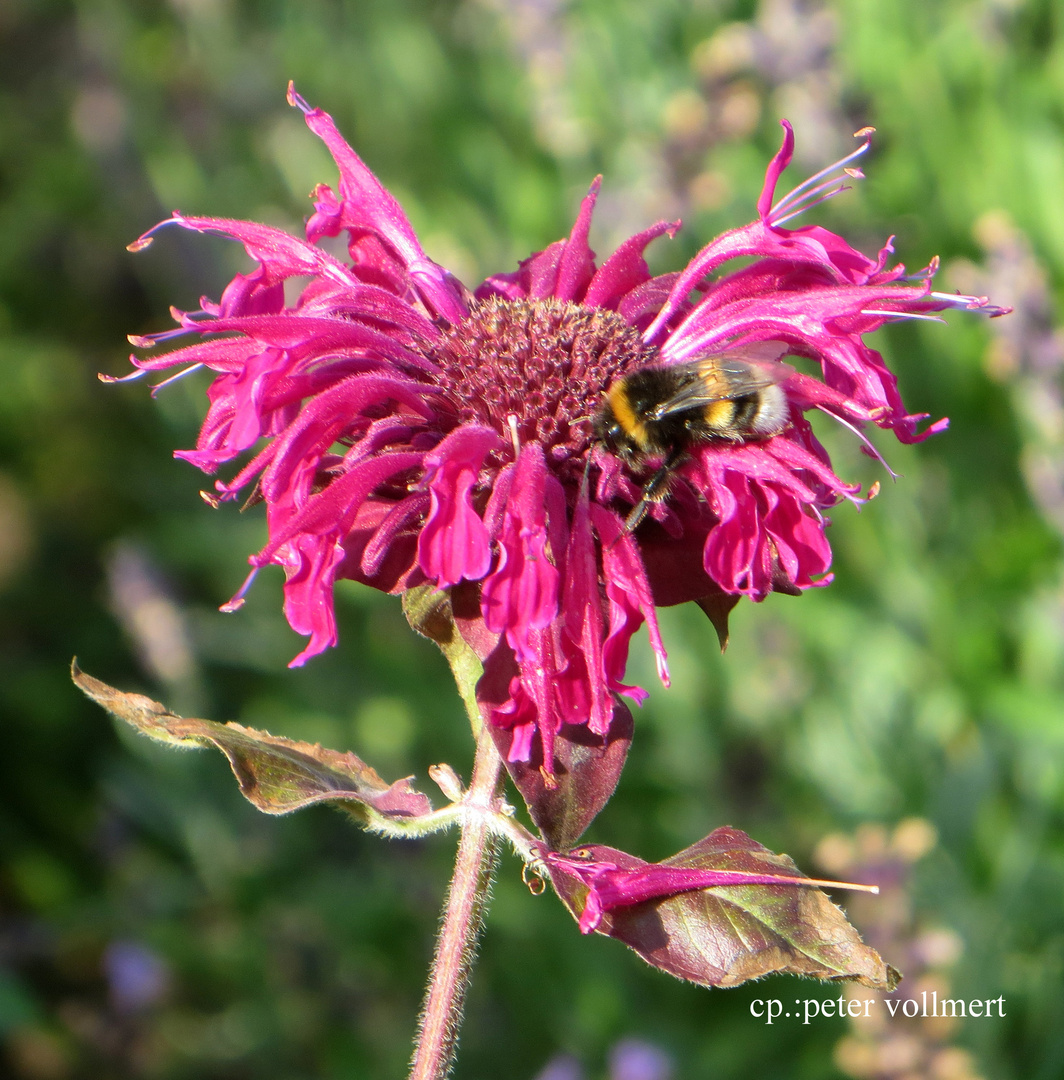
469	618
587	768
721	935
718	606
677	574
277	775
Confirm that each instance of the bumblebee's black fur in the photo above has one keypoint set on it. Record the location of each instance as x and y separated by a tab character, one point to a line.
645	390
660	412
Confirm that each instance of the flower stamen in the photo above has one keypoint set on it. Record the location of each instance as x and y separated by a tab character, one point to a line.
237	601
802	192
515	435
775	222
175	378
869	447
970	303
895	316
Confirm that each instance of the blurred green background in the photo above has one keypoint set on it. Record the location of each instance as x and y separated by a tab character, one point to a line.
152	924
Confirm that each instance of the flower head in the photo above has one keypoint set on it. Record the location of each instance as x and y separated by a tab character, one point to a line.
406	431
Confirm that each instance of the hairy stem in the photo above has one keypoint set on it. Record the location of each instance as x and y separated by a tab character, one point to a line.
463	916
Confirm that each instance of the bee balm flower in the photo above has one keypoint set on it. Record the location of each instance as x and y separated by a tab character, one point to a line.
406	431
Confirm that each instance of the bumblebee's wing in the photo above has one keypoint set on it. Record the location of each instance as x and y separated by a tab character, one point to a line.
724	376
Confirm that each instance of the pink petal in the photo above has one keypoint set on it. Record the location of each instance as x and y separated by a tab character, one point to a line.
625	269
454	543
368	203
521	593
577	261
611	886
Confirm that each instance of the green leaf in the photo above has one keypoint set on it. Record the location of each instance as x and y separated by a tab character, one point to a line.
275	774
430	613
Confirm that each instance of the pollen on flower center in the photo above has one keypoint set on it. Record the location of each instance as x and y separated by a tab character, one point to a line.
544	363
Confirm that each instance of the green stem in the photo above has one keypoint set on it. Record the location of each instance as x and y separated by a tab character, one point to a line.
463	917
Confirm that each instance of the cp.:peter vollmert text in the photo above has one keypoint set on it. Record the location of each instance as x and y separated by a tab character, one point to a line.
806	1009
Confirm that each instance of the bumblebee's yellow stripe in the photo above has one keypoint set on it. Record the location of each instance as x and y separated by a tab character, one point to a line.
633	427
720	414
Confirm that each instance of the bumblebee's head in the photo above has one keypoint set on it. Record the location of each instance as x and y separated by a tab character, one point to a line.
617	425
608	430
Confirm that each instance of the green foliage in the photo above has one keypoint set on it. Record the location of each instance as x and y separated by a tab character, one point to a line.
927	680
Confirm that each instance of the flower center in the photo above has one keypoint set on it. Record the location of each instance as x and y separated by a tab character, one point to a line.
538	368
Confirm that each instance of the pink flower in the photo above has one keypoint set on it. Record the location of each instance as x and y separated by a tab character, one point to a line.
406	431
614	879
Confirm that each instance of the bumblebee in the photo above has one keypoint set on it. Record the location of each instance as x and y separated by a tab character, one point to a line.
660	412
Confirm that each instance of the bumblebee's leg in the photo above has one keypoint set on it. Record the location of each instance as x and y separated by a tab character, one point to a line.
656	488
639	511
